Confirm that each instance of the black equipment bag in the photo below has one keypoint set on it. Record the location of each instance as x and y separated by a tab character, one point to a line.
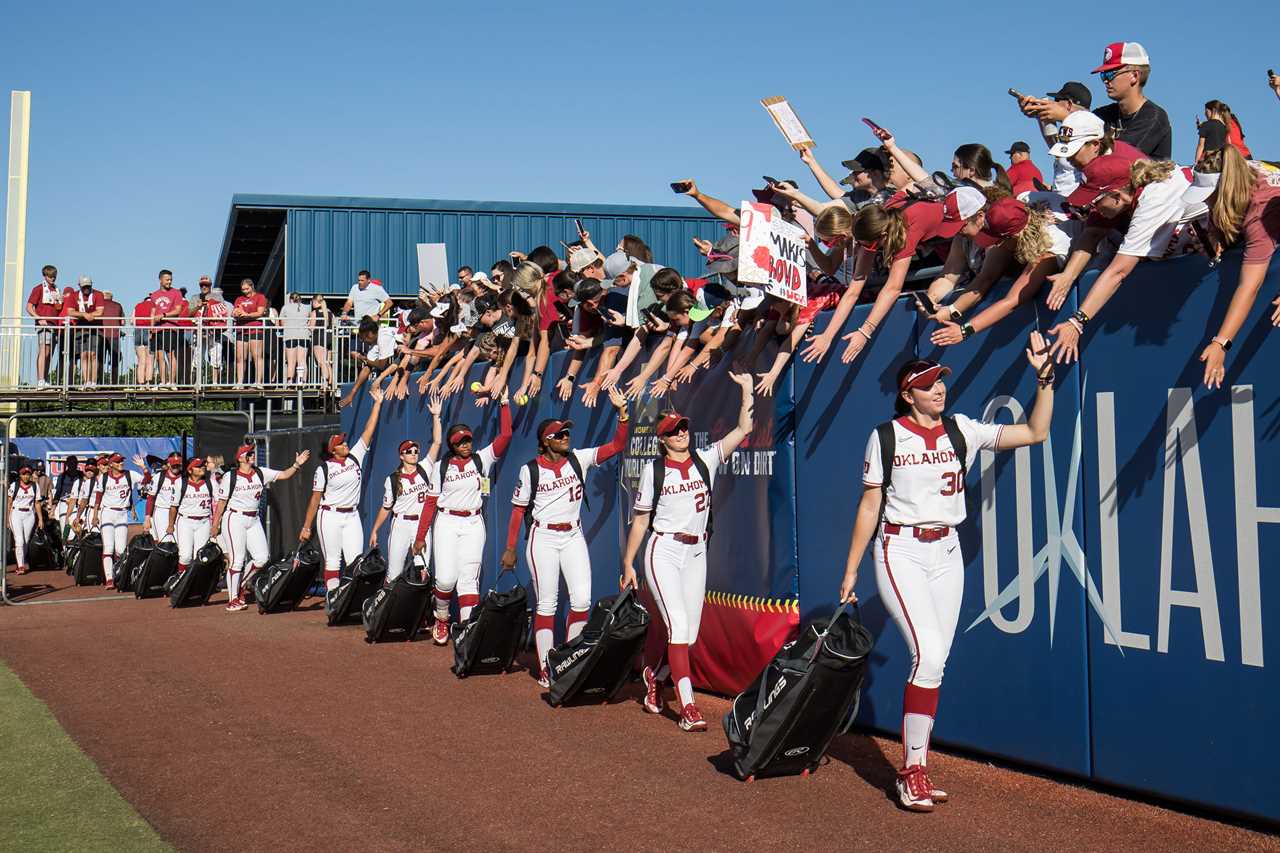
153	576
487	643
281	586
40	551
784	722
594	665
53	535
357	584
71	553
128	568
197	584
395	612
88	560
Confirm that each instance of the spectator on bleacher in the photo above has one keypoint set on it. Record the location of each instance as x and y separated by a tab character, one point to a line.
112	321
1274	82
215	320
1218	111
295	334
143	315
319	321
167	302
45	305
1022	171
83	308
366	298
972	163
248	312
1072	97
464	276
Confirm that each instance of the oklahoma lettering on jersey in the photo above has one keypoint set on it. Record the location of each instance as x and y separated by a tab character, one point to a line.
559	497
461	490
197	503
166	490
685	502
248	496
413	494
22	497
115	492
344	479
927	486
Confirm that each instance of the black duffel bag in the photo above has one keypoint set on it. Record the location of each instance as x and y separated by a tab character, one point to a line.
161	564
785	721
196	585
87	569
488	642
41	555
283	585
127	569
594	665
357	584
395	612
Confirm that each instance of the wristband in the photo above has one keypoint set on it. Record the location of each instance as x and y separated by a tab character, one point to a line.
1077	325
864	334
1225	343
1082	318
966	331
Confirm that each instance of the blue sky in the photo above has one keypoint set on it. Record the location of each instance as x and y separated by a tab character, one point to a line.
146	121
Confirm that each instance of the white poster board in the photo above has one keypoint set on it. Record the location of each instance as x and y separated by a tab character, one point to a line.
793	129
771	253
433	266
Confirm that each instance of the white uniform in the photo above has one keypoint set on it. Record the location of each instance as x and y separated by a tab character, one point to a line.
242	534
62	508
164	487
338	520
195	515
919	566
406	510
459	529
22	518
113	499
677	570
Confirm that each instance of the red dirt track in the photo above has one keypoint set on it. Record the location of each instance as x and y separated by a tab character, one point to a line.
235	731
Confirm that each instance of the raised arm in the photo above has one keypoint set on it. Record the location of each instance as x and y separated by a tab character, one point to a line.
371	424
713	205
503	438
1036	429
738	434
299	460
619	442
436	407
830	186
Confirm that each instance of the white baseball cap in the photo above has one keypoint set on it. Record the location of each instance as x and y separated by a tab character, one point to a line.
1202	186
581	258
1076	129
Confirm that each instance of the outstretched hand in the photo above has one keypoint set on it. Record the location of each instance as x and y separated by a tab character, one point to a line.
1038	354
1066	344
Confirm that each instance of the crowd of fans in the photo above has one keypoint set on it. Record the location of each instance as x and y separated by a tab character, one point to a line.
1114	198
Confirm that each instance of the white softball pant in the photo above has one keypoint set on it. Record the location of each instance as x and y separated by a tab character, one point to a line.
551	554
341	537
677	577
245	540
159	523
400	545
459	550
193	534
114	526
921	584
23	523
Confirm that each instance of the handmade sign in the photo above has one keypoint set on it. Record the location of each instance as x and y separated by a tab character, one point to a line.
771	252
788	122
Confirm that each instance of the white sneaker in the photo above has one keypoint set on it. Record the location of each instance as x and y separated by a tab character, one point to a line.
914	792
42	383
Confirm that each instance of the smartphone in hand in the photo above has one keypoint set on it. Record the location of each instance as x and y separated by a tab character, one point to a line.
875	128
578	223
681	187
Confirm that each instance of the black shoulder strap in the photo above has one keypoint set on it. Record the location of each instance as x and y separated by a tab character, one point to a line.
394	476
208	482
532	467
475	460
706	478
957	443
182	490
324	475
659	475
888	442
231	487
422	472
577	469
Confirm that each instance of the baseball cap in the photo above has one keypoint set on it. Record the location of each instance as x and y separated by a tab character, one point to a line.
1076	129
91	465
698	313
868	160
672	423
84	279
960	204
246	450
196	462
617	264
407	445
1214	134
724	255
457	433
204	279
923	377
1121	53
581	258
553	426
484	280
25	469
1104	174
175	456
1193	200
1019	147
1076	93
335	440
115	457
1005	218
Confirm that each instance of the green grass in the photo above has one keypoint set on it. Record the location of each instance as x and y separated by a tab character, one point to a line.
52	796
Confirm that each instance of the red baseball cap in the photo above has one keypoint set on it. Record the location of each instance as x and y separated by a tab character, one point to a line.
1102	175
335	440
1121	53
1006	218
175	456
924	378
671	424
960	204
25	469
407	444
195	462
457	433
115	457
90	464
246	450
553	427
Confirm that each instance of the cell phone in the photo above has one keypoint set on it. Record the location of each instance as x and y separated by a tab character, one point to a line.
770	181
1016	94
578	223
1271	72
875	128
681	187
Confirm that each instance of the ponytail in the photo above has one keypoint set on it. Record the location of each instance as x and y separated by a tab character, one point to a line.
1145	172
887	228
1235	189
1002	179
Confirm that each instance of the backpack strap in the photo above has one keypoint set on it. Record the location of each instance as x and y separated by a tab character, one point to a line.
888	442
659	475
532	467
956	437
577	469
706	478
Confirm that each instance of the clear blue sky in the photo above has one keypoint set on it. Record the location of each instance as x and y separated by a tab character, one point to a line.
145	121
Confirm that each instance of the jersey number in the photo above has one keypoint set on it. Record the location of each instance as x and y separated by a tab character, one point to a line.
422	497
954	483
575	492
700	502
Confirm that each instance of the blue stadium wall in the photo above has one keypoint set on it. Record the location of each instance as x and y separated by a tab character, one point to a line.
1120	577
330	239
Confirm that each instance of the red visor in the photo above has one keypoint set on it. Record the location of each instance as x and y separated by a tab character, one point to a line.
174	457
196	462
115	457
1103	175
24	470
924	378
554	427
334	441
246	450
671	424
407	445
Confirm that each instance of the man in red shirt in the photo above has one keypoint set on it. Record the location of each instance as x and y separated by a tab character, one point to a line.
250	308
84	312
165	336
112	320
1022	173
45	304
143	313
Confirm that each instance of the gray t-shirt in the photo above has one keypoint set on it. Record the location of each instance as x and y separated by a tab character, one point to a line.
365	303
293	321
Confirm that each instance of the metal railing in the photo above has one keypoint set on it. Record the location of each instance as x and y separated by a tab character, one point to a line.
51	358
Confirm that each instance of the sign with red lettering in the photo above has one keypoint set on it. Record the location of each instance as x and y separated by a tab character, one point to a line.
771	253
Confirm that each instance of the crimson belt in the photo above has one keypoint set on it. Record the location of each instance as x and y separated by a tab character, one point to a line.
924	534
338	508
683	538
407	517
462	513
559	526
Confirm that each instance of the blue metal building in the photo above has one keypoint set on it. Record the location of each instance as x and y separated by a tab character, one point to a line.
317	244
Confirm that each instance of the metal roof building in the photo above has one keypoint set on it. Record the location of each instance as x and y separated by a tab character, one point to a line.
317	244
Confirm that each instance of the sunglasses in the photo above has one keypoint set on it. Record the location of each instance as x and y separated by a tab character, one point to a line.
559	436
1108	76
412	451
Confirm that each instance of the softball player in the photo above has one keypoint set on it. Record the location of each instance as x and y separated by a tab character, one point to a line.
919	566
675	563
239	497
91	484
336	494
460	484
556	544
111	510
191	512
64	493
162	493
405	497
25	513
80	494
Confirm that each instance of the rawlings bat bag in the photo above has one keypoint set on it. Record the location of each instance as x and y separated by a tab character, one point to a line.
594	665
127	569
161	564
87	569
40	551
282	585
197	584
487	643
784	722
356	585
394	613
